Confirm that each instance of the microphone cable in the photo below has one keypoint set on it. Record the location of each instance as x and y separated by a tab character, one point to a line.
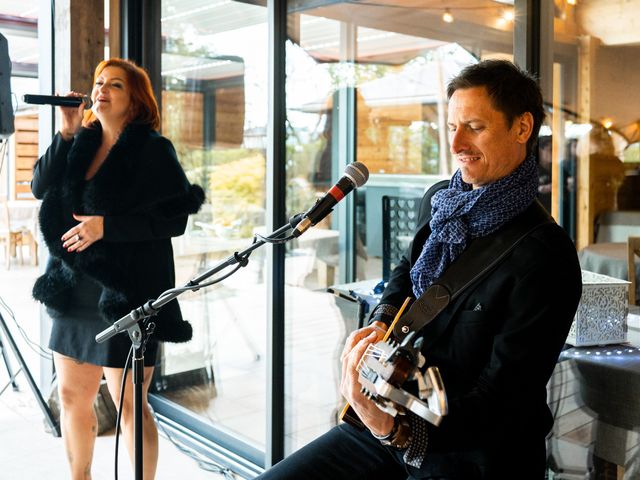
202	461
34	346
194	287
243	261
149	327
293	223
4	146
123	385
273	241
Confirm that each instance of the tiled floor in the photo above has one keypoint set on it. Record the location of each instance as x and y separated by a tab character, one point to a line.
26	450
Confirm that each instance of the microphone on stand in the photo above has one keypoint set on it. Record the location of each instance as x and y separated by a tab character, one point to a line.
355	175
58	100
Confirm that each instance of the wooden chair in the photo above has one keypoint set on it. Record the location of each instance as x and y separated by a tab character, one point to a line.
12	239
633	247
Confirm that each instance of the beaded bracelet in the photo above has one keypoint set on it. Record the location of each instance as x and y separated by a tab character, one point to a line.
400	435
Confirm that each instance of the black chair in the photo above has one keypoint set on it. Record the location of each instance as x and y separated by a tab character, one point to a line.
399	217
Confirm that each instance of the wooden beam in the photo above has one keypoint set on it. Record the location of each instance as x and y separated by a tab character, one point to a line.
600	171
79	29
115	49
585	205
557	141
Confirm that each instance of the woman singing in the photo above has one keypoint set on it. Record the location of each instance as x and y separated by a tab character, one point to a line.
113	194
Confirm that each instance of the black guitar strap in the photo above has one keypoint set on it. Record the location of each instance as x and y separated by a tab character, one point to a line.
481	257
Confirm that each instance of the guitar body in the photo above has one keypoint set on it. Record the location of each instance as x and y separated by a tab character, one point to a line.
349	415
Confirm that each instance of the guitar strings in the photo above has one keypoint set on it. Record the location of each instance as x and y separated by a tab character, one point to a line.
373	350
345	409
384	339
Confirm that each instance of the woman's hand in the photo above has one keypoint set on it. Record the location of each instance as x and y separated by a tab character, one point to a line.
82	236
375	420
71	118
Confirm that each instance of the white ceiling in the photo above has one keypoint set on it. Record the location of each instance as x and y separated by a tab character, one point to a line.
22	8
23	42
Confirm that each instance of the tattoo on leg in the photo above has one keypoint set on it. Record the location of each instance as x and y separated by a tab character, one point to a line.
78	362
87	472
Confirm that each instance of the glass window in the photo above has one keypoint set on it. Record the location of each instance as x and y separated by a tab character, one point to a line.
365	82
214	110
594	135
19	25
593	154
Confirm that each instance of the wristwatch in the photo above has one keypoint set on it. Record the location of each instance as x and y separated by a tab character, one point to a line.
400	435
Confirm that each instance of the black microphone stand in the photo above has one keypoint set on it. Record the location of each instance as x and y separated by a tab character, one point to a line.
131	323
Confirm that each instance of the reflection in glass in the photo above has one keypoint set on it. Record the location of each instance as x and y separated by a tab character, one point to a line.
594	132
594	118
19	27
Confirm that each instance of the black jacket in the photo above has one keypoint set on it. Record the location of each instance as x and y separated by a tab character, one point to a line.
145	198
496	347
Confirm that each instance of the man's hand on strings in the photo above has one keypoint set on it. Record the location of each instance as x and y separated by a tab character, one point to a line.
375	420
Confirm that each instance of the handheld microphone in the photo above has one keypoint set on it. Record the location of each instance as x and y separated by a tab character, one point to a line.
58	100
355	175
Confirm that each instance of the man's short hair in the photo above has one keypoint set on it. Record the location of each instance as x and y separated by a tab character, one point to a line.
512	91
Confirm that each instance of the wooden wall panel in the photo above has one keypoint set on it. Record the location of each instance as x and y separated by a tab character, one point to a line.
182	116
230	116
26	154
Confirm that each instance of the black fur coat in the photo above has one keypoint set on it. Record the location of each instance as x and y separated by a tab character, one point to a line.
145	198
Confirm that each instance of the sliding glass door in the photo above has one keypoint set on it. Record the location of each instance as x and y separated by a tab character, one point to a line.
214	110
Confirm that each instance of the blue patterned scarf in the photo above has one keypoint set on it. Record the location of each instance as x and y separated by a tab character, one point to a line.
460	214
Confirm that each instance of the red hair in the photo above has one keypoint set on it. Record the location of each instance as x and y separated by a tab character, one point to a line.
144	107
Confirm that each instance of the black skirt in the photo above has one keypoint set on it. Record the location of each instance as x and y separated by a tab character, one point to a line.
73	333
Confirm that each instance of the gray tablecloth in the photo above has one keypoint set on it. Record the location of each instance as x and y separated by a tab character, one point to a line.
608	259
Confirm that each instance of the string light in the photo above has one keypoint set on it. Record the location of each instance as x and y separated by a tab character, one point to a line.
572	2
447	16
607	123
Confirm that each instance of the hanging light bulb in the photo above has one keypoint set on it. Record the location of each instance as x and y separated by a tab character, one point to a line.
508	15
446	16
607	123
572	2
